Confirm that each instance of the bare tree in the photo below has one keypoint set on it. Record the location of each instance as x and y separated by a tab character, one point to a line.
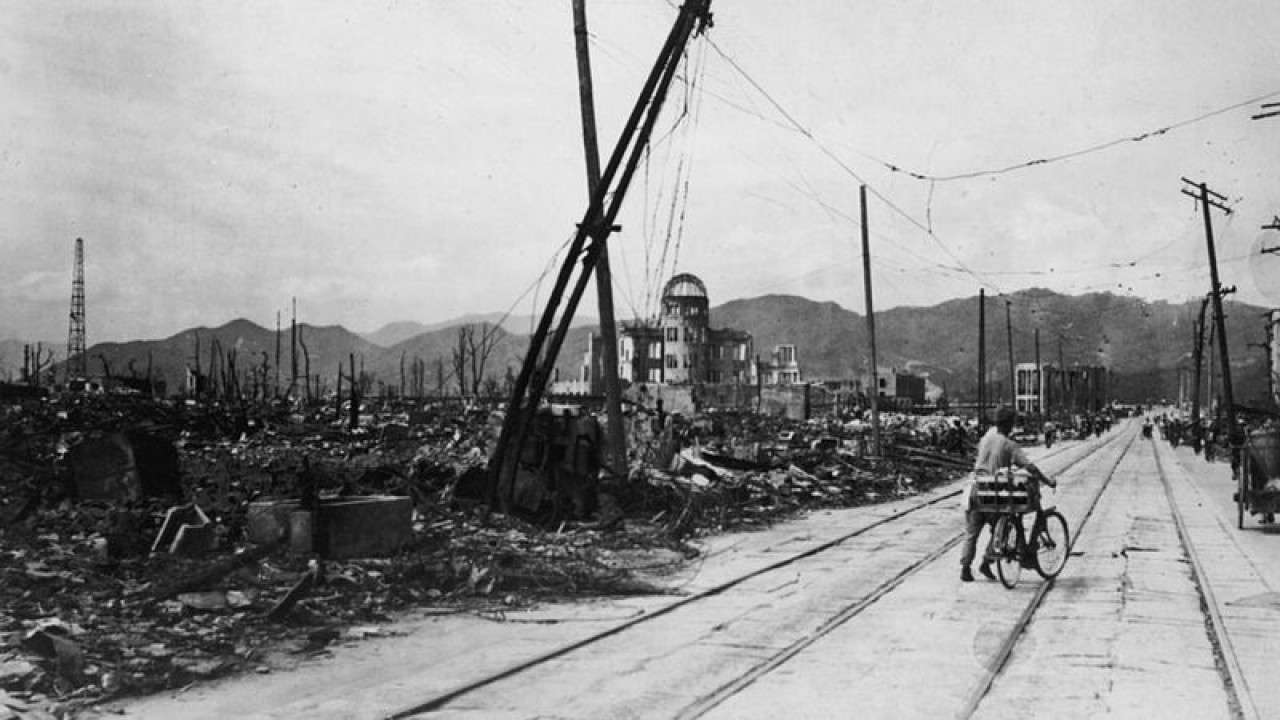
460	358
106	366
34	363
306	362
472	355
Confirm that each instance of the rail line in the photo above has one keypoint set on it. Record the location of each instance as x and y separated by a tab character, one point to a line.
1011	640
707	703
1243	705
718	696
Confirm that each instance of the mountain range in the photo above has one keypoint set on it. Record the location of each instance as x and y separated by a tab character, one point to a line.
1142	342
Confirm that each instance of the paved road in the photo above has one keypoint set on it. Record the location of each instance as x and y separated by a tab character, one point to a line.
860	613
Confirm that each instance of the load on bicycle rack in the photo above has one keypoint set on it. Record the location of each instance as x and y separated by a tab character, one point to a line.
1010	494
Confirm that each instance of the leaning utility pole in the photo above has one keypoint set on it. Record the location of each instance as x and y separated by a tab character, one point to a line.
616	436
871	326
77	364
1219	322
1008	332
597	223
982	359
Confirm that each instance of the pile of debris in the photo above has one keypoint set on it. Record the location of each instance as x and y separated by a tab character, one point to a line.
150	545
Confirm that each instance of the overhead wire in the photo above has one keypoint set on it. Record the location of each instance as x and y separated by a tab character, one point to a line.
839	162
1099	147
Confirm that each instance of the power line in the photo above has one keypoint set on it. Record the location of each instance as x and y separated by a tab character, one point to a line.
1074	153
807	133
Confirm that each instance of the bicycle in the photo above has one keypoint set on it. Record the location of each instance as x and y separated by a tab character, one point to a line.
1044	551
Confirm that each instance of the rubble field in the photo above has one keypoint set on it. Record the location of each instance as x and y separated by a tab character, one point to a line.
96	604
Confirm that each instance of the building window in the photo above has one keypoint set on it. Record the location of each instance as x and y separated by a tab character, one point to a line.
655	375
655	351
672	362
673	334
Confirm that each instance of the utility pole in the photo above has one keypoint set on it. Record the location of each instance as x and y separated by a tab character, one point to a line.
1275	225
1008	331
1206	202
597	223
1062	375
1039	378
616	436
293	349
1271	111
871	325
1198	353
982	359
277	385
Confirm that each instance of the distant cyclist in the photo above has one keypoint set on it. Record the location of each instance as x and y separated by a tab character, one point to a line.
996	450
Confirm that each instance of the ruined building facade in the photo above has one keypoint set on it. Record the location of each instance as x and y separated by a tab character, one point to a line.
679	347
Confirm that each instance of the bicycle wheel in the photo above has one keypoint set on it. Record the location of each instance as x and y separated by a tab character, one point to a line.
1052	542
1008	551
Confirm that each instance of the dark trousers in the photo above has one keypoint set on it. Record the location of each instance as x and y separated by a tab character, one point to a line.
974	521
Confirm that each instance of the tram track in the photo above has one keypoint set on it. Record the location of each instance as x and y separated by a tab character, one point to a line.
704	705
711	700
1243	705
1011	640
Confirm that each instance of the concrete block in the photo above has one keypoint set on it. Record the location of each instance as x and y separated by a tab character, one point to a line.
267	521
363	526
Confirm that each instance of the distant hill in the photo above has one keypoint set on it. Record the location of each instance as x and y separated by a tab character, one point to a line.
1142	342
397	332
253	345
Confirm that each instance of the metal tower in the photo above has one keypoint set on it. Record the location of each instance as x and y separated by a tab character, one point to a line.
76	365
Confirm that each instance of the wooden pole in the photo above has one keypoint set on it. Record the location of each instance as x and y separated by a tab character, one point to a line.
871	325
602	211
1039	378
616	437
982	359
1008	331
293	348
277	384
1062	376
1219	321
1198	353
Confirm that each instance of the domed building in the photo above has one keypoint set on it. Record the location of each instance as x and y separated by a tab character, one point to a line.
678	347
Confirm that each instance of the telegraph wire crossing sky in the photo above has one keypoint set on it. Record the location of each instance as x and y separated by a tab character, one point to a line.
422	161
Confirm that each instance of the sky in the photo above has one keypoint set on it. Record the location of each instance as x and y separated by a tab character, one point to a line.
417	161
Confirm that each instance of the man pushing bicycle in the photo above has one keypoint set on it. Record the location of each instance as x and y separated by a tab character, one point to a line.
996	450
